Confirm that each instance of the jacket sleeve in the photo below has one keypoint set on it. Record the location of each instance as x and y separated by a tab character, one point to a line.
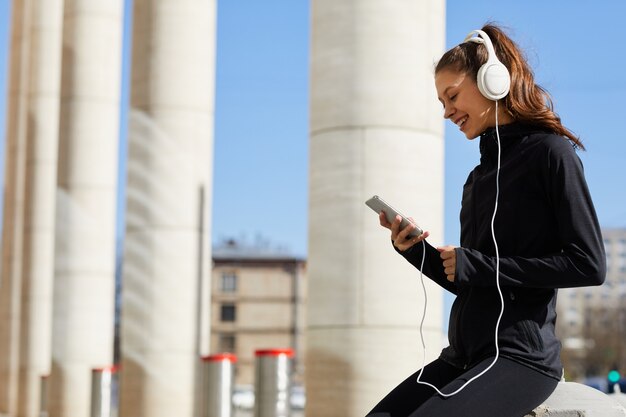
581	260
433	265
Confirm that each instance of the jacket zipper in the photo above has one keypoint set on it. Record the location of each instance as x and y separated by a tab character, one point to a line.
457	322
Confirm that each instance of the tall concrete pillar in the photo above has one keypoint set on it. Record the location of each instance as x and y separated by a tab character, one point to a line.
13	213
376	128
83	308
41	173
166	247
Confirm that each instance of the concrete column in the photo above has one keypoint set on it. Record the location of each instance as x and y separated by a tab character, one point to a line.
41	169
166	247
376	128
83	309
13	213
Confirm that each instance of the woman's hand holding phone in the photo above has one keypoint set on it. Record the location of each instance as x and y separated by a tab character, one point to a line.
400	237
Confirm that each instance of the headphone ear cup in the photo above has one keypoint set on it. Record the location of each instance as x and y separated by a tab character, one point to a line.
493	80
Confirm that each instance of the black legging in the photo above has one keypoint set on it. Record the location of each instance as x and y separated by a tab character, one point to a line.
508	389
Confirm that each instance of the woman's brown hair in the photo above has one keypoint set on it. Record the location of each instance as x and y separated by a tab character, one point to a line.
526	101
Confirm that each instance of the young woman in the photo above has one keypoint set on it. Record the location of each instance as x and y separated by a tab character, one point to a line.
542	236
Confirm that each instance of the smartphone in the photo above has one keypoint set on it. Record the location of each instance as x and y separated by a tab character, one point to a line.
378	204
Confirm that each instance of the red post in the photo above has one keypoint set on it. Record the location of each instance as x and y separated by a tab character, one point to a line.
217	385
272	382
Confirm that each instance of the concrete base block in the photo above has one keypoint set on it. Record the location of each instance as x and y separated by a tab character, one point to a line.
576	400
620	397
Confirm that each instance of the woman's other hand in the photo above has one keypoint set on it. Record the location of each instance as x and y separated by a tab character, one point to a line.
399	236
448	256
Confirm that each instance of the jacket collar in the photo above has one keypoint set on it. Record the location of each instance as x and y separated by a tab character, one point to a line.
510	134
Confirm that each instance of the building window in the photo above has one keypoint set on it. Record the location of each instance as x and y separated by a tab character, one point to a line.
229	282
228	312
227	343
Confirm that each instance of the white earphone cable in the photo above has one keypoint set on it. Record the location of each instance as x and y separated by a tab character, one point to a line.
493	235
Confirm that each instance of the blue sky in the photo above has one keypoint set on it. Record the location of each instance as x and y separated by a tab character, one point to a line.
261	118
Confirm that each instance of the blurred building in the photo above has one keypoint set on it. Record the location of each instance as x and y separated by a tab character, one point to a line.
258	300
591	319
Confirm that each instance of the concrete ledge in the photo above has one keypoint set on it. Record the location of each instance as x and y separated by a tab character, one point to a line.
577	400
620	397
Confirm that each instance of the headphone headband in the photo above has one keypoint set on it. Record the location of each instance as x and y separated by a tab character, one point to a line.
484	39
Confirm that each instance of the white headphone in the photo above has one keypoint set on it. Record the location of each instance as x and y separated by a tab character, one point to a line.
493	78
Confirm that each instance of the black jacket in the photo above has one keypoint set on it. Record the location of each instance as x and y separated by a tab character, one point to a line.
548	237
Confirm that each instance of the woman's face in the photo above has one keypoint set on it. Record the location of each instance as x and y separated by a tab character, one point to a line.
464	105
